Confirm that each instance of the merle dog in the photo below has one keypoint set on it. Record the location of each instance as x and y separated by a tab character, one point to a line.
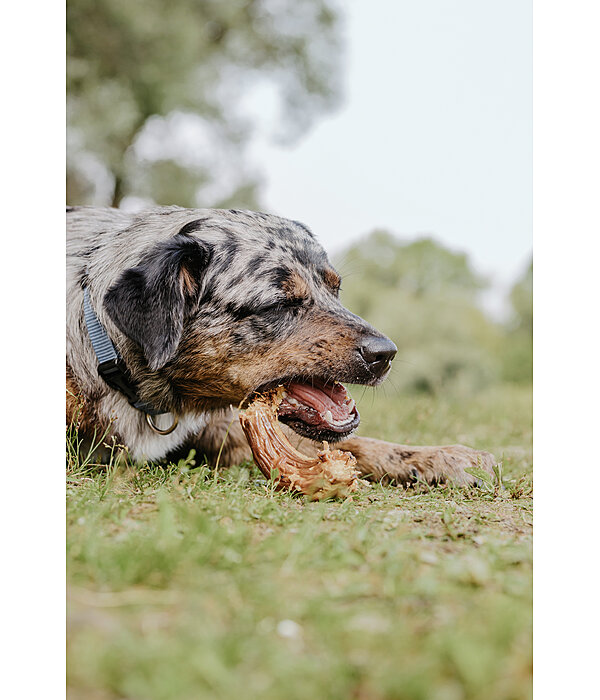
206	307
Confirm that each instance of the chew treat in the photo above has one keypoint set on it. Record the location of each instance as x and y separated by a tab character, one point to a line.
331	473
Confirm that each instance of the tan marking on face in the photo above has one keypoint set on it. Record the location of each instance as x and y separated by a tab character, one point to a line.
295	287
188	283
210	376
198	377
317	348
332	279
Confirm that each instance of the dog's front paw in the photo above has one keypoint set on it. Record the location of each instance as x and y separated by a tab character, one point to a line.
406	465
449	464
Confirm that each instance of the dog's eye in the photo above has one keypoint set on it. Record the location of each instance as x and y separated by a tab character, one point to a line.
282	305
294	303
270	308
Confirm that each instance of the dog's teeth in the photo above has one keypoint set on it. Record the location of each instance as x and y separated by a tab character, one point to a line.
328	417
351	405
293	402
341	423
284	394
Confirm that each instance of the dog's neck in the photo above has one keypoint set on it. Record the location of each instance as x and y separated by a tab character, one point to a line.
131	428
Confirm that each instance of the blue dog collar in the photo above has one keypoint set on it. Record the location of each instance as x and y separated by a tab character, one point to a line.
111	367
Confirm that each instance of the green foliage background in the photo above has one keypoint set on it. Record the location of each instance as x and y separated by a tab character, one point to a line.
426	298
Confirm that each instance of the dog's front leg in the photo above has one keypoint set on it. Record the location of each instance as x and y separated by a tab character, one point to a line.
388	462
405	465
223	441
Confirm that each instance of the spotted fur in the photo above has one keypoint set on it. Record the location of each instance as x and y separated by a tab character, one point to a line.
205	306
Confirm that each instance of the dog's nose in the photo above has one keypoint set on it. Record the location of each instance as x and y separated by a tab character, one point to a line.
378	353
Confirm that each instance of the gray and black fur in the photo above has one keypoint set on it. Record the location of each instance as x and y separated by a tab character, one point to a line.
206	306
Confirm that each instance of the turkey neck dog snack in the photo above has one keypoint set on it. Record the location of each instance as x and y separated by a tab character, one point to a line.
330	474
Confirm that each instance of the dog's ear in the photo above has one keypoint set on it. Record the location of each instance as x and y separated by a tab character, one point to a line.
150	302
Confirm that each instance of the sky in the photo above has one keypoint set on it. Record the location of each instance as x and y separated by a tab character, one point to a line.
434	136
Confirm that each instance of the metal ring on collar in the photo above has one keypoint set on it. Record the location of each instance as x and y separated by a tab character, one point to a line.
167	431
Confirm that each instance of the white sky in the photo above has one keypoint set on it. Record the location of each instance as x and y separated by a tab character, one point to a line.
435	135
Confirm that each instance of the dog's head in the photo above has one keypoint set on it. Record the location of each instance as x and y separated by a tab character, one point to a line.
238	302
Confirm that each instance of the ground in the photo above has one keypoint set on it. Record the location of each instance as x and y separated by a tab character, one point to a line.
184	584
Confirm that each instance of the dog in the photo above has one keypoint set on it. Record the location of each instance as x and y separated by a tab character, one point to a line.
201	309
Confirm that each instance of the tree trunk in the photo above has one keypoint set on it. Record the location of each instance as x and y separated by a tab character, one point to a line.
118	192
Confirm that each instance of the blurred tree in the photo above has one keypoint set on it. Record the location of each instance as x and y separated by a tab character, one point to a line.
139	72
424	297
518	353
521	298
419	268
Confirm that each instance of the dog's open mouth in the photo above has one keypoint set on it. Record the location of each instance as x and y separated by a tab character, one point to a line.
317	409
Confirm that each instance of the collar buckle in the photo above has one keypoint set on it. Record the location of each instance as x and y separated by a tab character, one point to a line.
114	374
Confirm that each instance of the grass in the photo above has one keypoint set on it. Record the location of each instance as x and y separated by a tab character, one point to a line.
185	584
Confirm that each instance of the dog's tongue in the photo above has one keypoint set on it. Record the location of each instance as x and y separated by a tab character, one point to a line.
322	399
327	407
